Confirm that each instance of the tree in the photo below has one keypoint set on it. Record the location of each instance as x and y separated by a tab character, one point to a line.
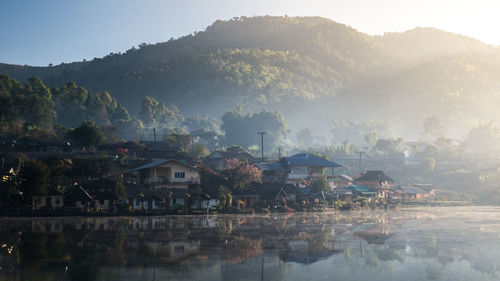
371	138
241	174
9	192
305	137
154	113
388	146
432	128
179	140
429	164
483	137
88	135
34	178
241	129
320	184
198	151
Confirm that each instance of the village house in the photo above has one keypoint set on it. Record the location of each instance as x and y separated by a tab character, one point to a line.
304	166
363	191
246	200
51	201
165	184
343	194
341	180
158	150
275	172
412	192
106	201
163	174
378	181
217	160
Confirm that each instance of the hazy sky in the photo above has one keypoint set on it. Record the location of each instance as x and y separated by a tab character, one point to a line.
37	32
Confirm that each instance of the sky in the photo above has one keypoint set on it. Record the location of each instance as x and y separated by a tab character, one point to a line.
36	32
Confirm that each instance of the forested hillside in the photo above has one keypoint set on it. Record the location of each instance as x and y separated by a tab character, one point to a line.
309	68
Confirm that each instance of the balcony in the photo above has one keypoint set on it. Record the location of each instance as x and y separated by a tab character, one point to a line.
162	181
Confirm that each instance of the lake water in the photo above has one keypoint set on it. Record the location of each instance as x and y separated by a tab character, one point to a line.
445	243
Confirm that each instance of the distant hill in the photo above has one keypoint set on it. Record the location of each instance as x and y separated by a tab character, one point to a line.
421	41
310	68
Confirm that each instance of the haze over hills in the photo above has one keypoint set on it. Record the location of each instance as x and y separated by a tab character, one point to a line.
312	69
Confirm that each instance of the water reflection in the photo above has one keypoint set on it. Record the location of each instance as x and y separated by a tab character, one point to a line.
455	243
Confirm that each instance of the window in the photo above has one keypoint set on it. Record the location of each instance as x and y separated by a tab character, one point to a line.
58	201
180	175
179	249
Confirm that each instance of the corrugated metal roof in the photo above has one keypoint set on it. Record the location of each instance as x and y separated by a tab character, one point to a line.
363	189
272	166
157	163
375	176
306	159
413	189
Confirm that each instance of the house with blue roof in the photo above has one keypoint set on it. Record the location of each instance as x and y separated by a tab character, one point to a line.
304	166
298	169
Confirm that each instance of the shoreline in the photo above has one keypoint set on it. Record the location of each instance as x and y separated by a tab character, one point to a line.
241	212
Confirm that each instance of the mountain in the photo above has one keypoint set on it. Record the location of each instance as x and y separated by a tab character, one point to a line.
424	41
310	68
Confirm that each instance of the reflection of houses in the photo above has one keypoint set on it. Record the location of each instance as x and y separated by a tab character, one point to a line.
46	226
308	251
218	159
171	251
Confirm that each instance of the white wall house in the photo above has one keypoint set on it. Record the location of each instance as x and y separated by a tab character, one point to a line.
163	174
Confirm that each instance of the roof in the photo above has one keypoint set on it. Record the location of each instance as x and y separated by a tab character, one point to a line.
307	159
363	189
320	195
159	146
159	163
413	189
233	154
247	196
80	194
375	176
276	166
342	191
345	177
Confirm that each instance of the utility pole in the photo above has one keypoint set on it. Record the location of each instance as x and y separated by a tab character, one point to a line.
262	143
279	153
154	134
360	158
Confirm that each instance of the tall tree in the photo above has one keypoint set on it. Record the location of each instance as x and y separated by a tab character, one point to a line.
88	135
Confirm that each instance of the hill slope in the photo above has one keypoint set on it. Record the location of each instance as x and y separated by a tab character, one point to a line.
306	66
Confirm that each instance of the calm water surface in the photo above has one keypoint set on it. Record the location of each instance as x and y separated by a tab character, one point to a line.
446	243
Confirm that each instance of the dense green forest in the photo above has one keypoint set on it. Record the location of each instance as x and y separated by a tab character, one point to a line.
32	111
313	70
